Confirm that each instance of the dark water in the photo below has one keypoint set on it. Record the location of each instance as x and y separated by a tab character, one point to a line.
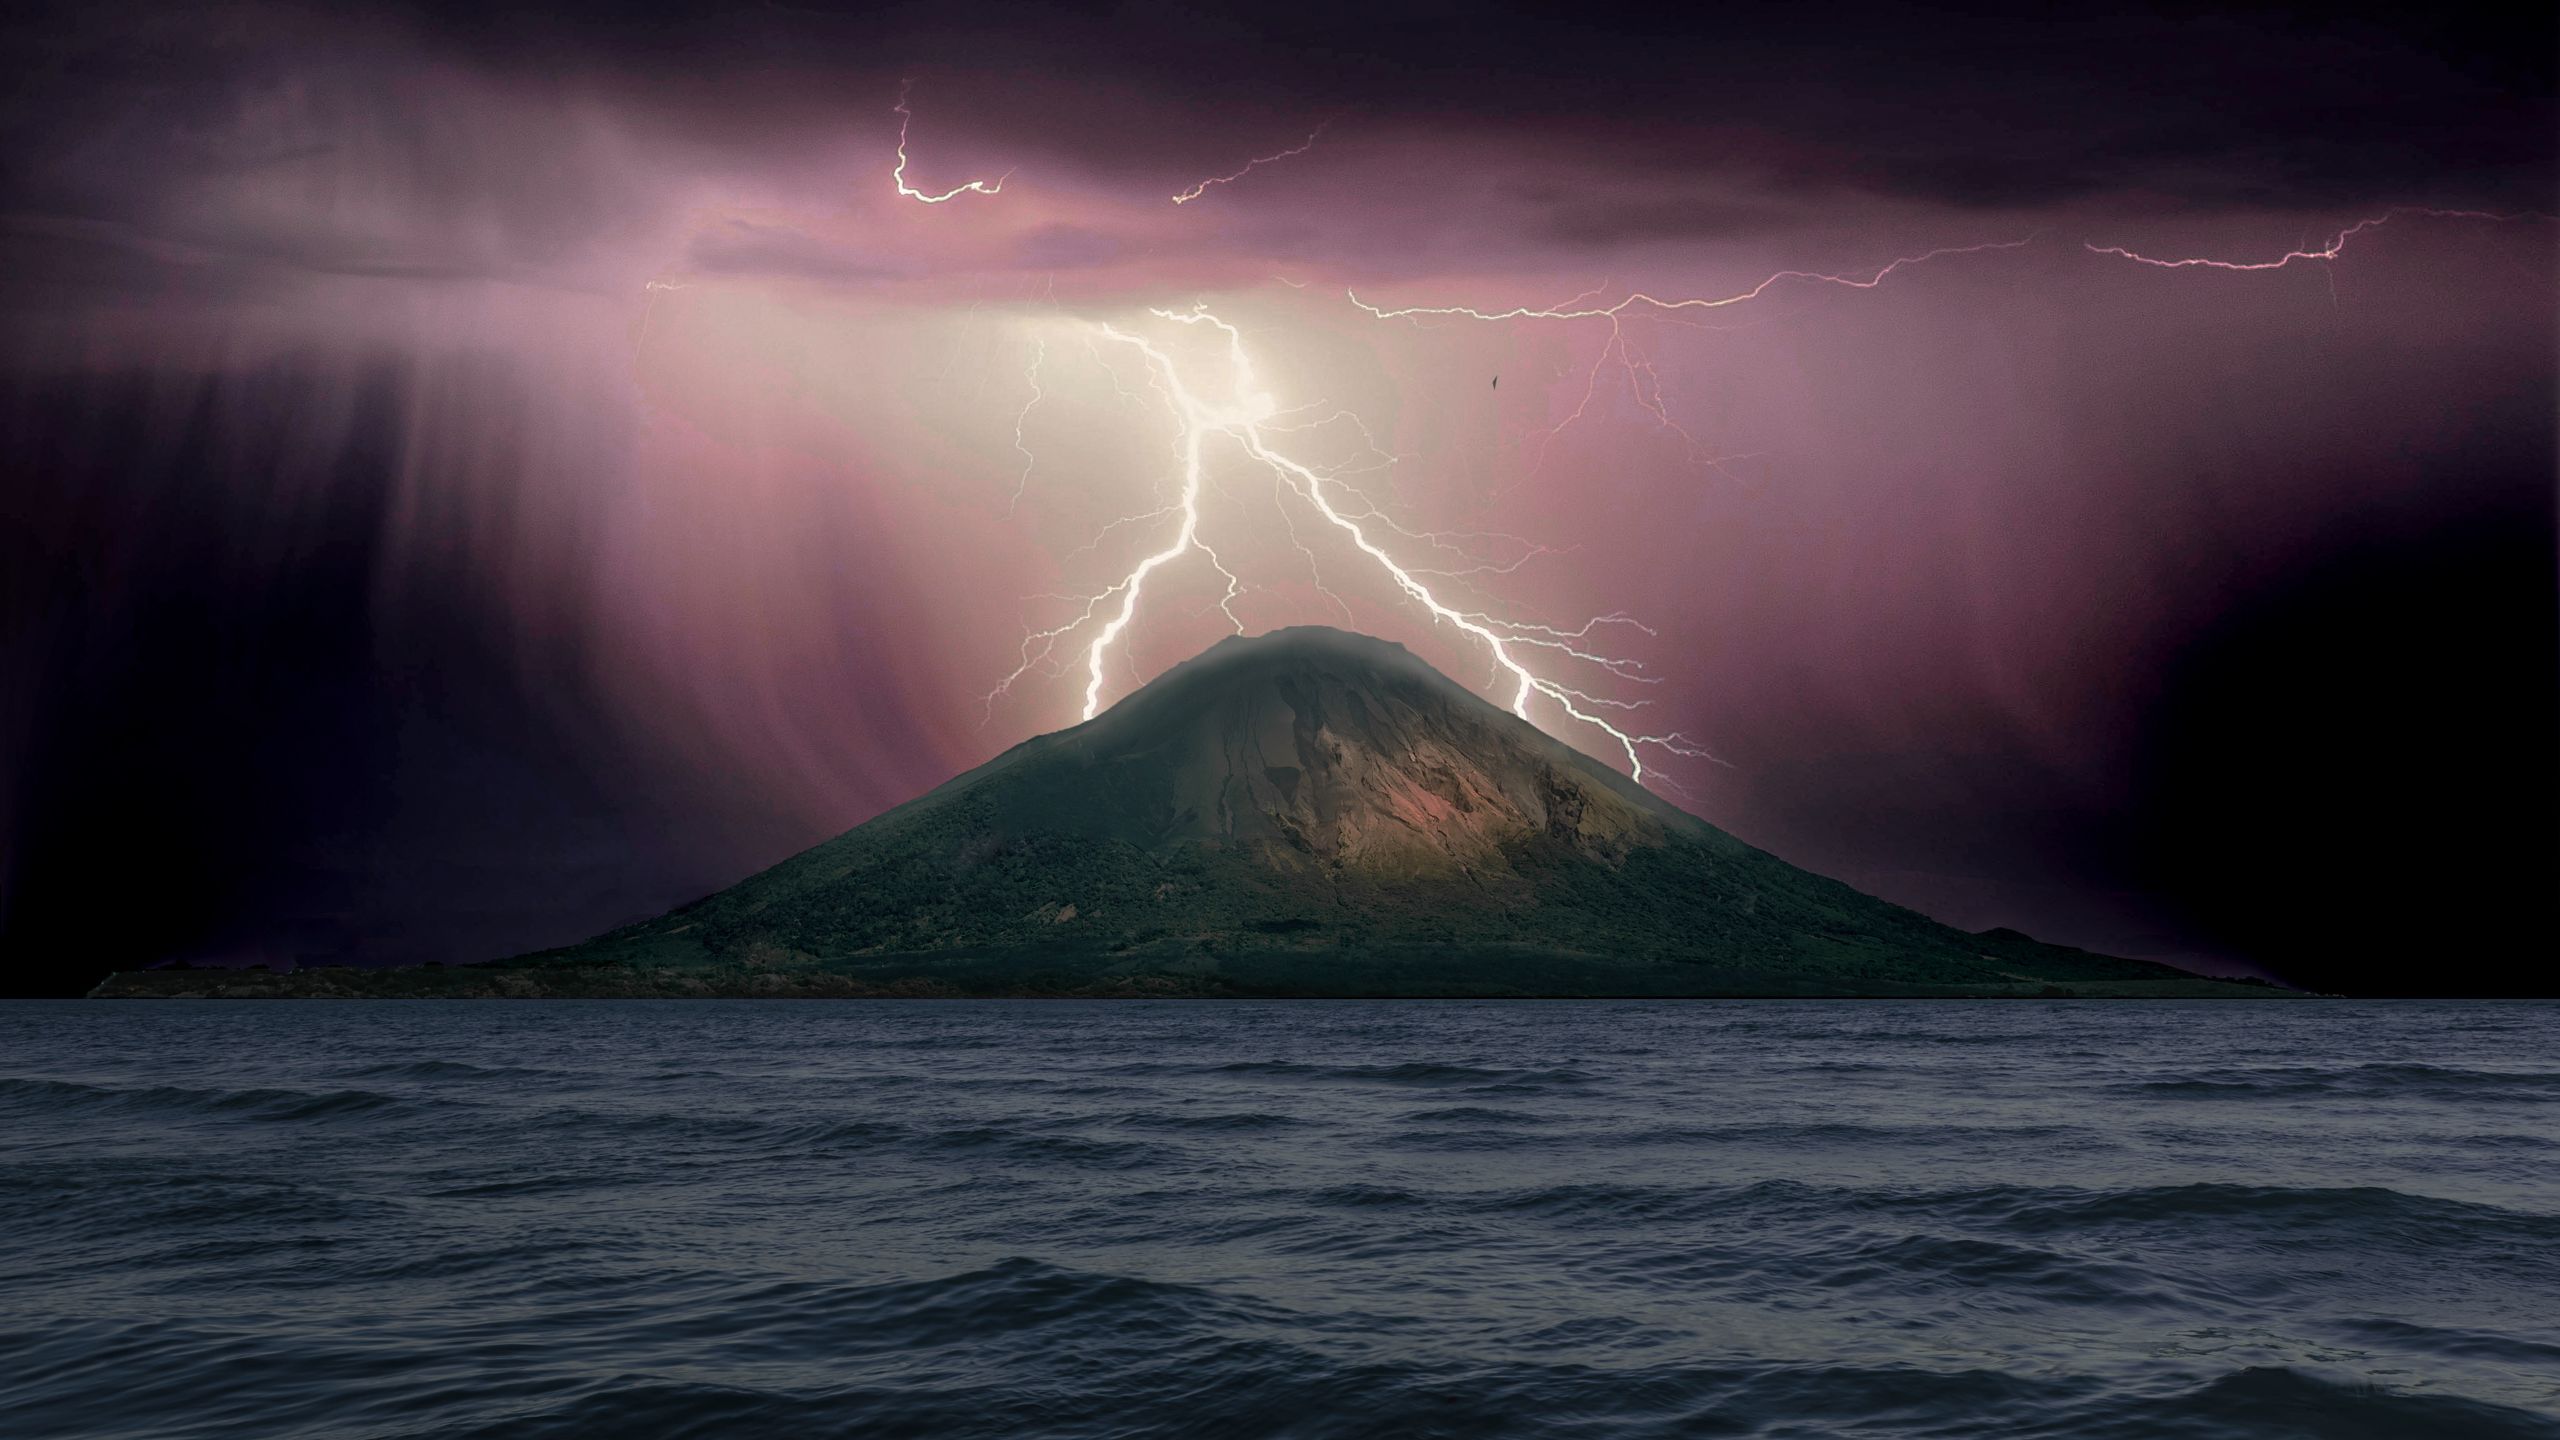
1567	1219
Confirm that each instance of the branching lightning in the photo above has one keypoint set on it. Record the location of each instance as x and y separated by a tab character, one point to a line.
1131	588
1301	148
899	174
1220	414
1574	310
1039	355
1643	381
1235	413
2337	243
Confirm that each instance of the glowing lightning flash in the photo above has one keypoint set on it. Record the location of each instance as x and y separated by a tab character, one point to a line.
1644	384
1240	413
1196	191
2337	243
1039	355
899	174
1571	310
1243	413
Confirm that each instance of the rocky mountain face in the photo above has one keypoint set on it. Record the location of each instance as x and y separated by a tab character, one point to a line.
1323	754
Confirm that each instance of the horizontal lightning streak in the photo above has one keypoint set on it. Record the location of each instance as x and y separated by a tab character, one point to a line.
1644	383
1571	311
2337	243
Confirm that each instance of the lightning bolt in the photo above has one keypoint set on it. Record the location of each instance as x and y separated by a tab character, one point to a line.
1114	618
653	289
1643	382
1243	418
1039	355
1575	310
899	174
1196	191
1221	413
2337	243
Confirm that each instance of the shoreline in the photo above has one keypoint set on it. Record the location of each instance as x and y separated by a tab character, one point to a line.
462	983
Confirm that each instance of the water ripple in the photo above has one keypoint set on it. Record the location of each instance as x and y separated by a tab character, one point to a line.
419	1222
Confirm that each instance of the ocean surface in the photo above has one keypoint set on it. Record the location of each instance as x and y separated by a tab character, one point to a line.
1585	1219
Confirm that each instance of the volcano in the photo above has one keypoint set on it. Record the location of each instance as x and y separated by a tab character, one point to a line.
1305	812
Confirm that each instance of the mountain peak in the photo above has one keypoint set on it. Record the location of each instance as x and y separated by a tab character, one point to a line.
1312	810
1312	746
1308	811
1306	637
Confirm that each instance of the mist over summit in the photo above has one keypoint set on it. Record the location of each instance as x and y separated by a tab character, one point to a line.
1307	811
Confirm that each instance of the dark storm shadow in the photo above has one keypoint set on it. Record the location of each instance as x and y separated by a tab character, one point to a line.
2356	777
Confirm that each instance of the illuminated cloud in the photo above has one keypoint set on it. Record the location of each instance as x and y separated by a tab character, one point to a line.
662	357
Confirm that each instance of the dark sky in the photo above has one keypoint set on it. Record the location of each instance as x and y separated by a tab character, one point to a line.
481	475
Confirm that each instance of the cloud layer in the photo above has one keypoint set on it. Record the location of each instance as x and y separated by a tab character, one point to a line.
674	492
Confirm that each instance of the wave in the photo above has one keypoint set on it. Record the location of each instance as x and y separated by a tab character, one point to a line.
1909	1265
998	1303
260	1104
2301	1215
152	1207
441	1070
1270	1388
1478	1115
1410	1072
1213	1122
2259	1401
2378	1080
1029	1147
1841	1133
1612	1221
2455	1341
